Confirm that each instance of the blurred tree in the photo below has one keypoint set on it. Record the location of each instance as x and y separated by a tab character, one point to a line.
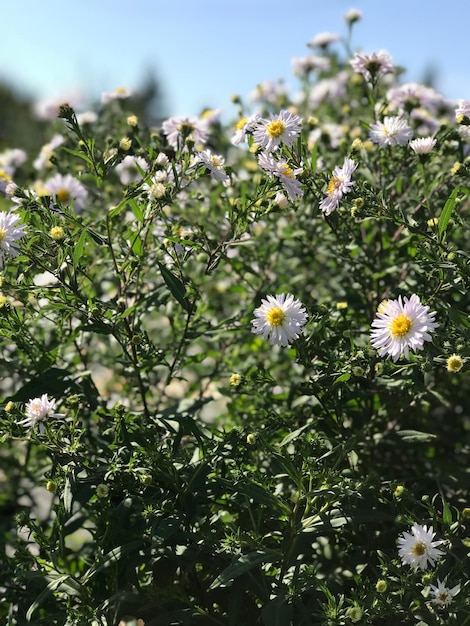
19	128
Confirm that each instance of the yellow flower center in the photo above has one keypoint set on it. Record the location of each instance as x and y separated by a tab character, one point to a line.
215	161
4	176
419	548
286	171
334	184
454	363
3	234
401	326
275	128
241	123
63	195
275	317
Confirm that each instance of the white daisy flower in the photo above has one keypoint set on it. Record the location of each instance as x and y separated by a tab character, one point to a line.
372	65
339	185
11	159
302	66
400	325
179	129
10	232
287	176
392	131
462	111
215	164
443	595
279	319
47	151
422	145
417	548
67	190
39	410
322	40
129	168
121	93
283	128
243	126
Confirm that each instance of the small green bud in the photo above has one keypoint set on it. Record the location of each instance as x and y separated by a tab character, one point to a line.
381	586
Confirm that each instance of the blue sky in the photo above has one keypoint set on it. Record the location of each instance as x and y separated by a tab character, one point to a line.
206	50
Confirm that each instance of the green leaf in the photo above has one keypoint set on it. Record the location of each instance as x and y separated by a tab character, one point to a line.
113	556
64	581
277	612
447	212
79	248
67	495
176	286
243	564
415	435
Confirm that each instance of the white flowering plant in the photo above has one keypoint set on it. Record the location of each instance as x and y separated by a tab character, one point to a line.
234	359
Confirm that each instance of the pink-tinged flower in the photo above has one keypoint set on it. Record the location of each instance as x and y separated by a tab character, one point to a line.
401	325
121	93
243	127
462	111
67	190
323	40
10	160
180	129
269	92
417	548
393	131
279	318
443	595
130	168
278	129
215	165
10	233
339	185
328	89
286	175
411	96
38	411
47	151
372	65
422	145
302	66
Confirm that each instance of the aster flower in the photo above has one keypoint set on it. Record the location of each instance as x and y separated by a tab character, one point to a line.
422	145
47	151
392	131
10	160
323	40
279	318
462	111
180	129
215	164
353	15
443	595
417	548
283	128
39	410
411	96
129	169
400	325
340	184
454	363
120	93
328	89
371	66
269	92
67	190
286	175
10	232
244	126
302	66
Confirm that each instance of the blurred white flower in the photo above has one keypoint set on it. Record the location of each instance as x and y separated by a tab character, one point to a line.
443	595
120	93
10	233
129	168
392	131
372	65
67	190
